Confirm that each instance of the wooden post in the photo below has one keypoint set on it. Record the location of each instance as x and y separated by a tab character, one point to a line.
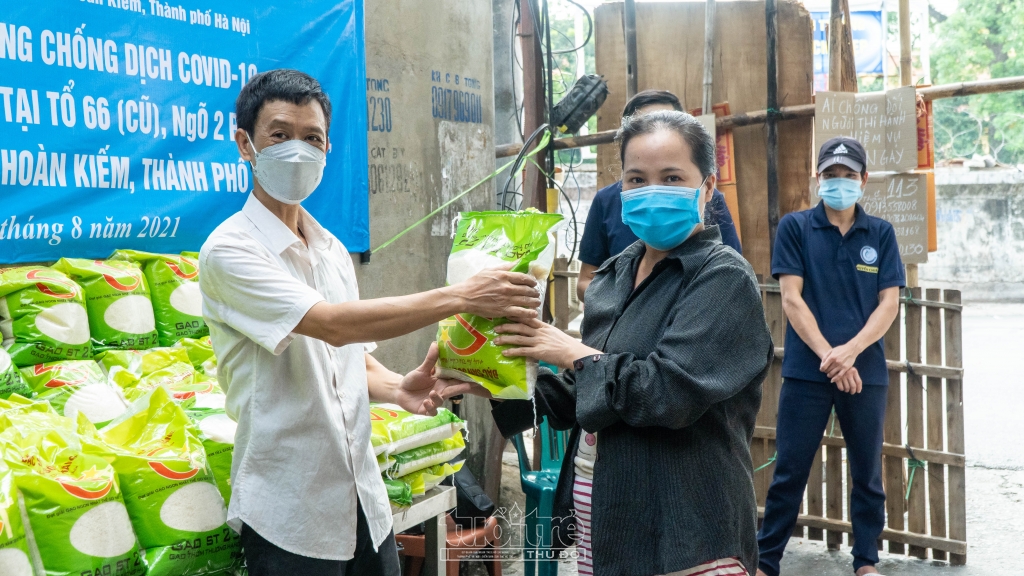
955	426
835	47
534	106
834	484
771	24
892	471
907	79
815	503
916	517
709	56
936	411
629	21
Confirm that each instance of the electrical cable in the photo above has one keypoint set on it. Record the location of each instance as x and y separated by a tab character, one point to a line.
542	129
590	29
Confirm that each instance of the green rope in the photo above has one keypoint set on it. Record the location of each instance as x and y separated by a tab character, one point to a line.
768	463
912	464
540	146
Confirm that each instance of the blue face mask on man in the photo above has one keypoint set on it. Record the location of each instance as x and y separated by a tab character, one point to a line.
662	216
840	193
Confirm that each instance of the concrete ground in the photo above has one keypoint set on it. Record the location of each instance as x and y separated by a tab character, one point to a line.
994	411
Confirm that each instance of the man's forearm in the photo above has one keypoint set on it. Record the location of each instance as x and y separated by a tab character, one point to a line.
381	383
802	319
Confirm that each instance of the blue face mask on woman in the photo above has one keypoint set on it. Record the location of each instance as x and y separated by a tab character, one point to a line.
840	193
662	216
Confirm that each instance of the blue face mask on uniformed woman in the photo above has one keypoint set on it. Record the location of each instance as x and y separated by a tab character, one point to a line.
662	216
840	193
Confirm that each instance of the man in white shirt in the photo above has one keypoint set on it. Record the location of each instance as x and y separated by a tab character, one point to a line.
293	341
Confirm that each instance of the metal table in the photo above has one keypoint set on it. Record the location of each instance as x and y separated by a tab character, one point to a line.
431	508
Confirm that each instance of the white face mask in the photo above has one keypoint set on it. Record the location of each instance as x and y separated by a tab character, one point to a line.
288	171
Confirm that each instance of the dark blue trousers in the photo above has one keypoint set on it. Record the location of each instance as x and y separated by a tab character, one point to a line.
804	410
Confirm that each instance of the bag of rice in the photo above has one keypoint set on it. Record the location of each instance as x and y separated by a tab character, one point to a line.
14	553
117	296
426	456
11	381
75	386
174	284
44	316
396	430
384	462
200	353
429	478
172	499
217	433
77	523
487	240
399	492
137	372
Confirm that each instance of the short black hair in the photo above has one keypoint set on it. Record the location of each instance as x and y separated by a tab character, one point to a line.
284	84
648	97
702	144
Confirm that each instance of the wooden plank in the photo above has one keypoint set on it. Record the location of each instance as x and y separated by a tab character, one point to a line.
917	518
674	33
770	389
834	485
893	434
955	428
896	450
815	503
936	418
955	546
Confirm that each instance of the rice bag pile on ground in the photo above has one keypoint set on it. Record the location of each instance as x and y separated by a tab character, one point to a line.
413	451
117	297
174	287
200	353
137	372
483	241
217	433
169	490
14	553
77	522
11	381
73	387
42	316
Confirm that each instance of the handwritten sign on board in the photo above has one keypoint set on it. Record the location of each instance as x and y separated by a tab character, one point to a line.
885	123
901	200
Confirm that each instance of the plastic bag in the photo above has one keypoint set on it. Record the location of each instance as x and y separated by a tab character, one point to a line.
77	520
48	319
399	492
171	496
428	478
174	285
396	430
487	240
11	381
217	433
200	353
137	372
426	456
117	296
76	386
14	552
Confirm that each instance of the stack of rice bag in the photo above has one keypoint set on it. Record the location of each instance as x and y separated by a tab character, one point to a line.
415	452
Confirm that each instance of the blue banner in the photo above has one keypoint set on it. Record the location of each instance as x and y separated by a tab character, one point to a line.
868	44
118	119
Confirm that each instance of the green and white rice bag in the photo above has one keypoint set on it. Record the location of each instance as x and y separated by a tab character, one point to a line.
484	241
428	478
174	287
426	456
117	297
200	353
137	372
217	433
14	551
393	429
77	520
73	387
169	490
11	381
43	316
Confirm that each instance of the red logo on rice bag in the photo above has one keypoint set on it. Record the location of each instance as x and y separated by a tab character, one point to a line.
84	493
52	279
66	376
478	339
188	269
135	277
166	472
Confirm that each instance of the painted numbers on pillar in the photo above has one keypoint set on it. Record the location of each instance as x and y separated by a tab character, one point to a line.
456	98
378	105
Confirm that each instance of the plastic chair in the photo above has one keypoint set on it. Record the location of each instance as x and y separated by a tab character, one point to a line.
460	543
539	487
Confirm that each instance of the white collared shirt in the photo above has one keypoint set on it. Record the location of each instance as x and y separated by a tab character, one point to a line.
302	451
